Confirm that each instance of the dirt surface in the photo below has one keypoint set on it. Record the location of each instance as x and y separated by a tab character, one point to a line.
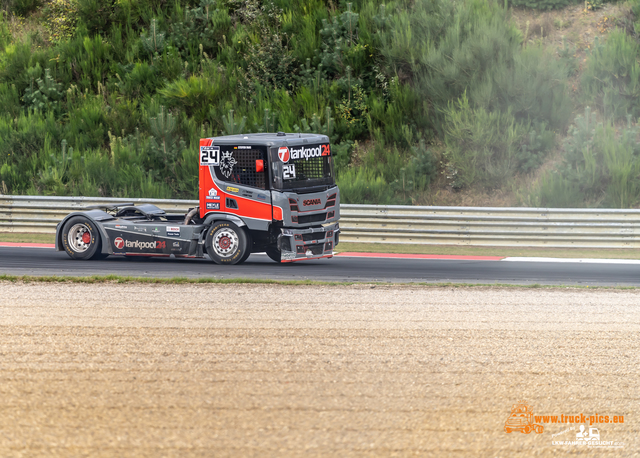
267	370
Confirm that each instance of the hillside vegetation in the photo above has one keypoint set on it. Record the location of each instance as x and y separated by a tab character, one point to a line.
419	98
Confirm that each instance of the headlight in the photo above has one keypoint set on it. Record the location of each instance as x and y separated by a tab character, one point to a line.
287	231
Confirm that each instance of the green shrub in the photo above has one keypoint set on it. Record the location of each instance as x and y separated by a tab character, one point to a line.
601	167
25	7
96	15
62	17
363	186
543	4
612	76
45	94
417	175
195	95
482	146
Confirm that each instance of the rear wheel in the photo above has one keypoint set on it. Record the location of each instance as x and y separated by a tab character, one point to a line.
226	243
81	238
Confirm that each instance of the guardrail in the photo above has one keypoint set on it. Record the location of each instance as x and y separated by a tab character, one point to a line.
526	227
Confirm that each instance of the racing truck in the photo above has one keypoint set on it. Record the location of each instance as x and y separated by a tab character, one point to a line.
266	192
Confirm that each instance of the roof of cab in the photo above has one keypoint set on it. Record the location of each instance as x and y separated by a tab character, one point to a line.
270	139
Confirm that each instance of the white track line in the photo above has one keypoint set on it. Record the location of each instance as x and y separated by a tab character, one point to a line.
576	260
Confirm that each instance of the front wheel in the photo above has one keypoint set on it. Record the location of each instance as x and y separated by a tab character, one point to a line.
81	238
274	254
226	243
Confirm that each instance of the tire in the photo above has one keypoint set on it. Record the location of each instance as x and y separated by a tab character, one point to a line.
274	254
249	247
81	238
508	430
527	429
226	243
538	429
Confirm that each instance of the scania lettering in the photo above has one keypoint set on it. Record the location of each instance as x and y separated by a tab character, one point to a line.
258	193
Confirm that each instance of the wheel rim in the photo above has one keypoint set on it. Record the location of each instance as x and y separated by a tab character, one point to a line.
79	238
225	242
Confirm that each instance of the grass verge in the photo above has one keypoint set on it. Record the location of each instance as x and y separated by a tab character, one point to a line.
15	237
117	279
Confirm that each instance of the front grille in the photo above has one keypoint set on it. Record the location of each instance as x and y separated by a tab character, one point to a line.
312	218
313	236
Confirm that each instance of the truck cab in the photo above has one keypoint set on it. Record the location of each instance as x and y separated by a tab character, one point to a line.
282	188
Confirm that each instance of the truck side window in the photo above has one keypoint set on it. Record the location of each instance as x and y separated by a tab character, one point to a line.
243	168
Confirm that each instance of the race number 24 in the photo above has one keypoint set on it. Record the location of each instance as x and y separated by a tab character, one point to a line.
209	155
289	171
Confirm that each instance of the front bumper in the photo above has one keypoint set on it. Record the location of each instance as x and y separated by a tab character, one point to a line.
311	243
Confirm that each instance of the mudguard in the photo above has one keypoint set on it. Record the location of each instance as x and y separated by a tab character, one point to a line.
96	216
211	217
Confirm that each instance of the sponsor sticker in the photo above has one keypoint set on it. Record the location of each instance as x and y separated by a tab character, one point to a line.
140	229
176	244
120	227
209	155
213	206
261	197
307	153
283	154
232	189
119	243
173	231
242	147
213	194
148	245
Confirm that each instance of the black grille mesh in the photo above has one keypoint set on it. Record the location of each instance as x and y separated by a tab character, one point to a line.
312	218
244	172
313	236
311	169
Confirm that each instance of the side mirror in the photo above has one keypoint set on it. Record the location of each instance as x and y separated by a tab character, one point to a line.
259	165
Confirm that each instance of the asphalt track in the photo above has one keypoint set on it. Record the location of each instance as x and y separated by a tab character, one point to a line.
46	261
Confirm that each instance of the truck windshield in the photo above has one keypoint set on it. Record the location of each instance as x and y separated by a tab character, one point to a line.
303	166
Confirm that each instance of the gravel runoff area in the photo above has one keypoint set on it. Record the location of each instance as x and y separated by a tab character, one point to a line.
269	370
